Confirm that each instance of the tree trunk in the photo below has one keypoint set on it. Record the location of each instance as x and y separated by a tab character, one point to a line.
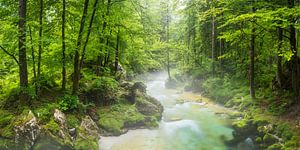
102	39
23	73
33	62
213	43
293	67
117	52
279	58
252	55
88	34
76	74
64	78
40	42
168	49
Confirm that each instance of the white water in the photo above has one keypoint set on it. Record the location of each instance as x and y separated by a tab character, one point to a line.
187	126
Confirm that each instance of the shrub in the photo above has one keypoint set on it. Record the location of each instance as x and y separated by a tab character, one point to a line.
68	102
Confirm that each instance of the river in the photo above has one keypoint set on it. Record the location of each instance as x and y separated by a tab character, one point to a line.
195	124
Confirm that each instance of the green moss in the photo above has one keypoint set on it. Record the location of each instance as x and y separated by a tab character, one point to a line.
86	144
294	142
72	121
114	119
86	141
43	112
274	147
240	124
258	140
52	126
151	122
6	127
284	131
7	144
268	138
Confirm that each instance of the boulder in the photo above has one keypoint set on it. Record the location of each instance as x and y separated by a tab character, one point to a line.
59	117
89	127
27	130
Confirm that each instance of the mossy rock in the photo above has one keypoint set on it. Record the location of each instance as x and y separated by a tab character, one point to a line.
52	126
86	144
149	106
117	117
275	147
7	144
269	139
72	121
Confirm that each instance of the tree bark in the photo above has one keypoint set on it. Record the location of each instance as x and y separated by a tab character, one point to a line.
294	60
117	52
88	34
64	78
33	62
279	58
76	74
102	39
40	41
23	73
213	43
252	55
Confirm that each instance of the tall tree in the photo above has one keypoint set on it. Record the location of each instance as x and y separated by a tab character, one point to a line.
213	38
76	74
117	51
23	72
64	78
252	55
89	32
40	39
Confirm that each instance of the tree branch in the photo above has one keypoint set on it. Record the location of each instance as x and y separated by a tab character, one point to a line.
11	55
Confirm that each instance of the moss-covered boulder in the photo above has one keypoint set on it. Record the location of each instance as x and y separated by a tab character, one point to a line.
26	129
149	106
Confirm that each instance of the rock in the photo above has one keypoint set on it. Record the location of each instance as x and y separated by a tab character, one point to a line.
149	106
73	133
59	117
93	114
27	131
139	86
126	85
90	127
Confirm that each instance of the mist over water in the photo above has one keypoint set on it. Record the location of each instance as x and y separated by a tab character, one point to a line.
187	126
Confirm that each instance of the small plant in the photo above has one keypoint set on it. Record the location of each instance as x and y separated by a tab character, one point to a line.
68	102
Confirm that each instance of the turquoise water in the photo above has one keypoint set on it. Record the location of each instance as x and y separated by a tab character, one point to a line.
187	126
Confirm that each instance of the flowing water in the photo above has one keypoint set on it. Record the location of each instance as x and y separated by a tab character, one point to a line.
184	126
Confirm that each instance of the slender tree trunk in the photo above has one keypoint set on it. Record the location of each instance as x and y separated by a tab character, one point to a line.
213	43
294	60
22	51
117	51
64	78
40	42
88	34
168	49
252	55
76	75
279	58
33	62
102	39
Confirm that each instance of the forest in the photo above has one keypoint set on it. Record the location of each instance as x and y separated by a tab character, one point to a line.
149	74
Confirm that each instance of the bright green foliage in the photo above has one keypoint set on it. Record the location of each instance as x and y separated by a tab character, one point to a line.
68	102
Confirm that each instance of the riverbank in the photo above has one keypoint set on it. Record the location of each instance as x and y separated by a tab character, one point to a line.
265	122
61	121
